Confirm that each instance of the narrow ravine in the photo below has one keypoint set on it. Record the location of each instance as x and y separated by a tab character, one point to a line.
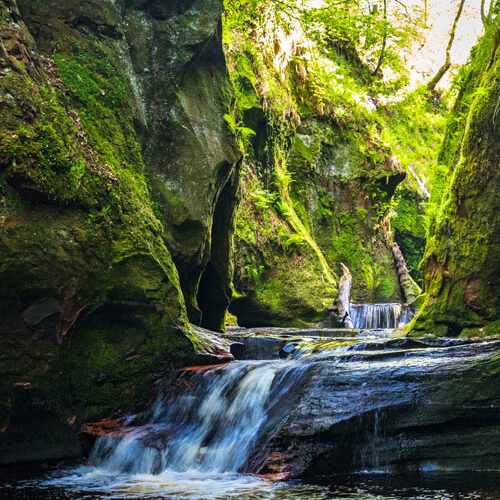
249	249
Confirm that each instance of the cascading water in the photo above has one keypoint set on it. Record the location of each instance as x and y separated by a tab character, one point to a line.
372	316
210	428
333	402
197	438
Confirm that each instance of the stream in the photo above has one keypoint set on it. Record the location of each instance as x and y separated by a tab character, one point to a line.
359	414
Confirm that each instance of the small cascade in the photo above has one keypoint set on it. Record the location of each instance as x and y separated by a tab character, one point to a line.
333	402
209	424
372	316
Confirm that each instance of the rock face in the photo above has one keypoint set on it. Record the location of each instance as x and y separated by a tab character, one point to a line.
395	406
101	104
336	404
318	181
190	153
461	264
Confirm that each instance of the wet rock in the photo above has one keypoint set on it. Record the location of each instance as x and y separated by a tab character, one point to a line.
36	313
212	348
419	408
191	156
255	347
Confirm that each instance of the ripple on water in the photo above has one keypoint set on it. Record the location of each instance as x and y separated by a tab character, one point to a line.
169	484
89	483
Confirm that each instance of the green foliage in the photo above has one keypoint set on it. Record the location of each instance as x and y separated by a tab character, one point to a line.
413	128
263	198
365	33
289	240
242	133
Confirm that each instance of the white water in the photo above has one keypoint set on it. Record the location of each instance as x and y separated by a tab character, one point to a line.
371	316
96	483
209	428
197	438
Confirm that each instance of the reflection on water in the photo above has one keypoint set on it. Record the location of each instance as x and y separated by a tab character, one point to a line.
87	483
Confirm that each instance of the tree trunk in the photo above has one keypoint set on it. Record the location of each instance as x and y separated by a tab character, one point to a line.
486	13
408	286
447	63
342	303
384	43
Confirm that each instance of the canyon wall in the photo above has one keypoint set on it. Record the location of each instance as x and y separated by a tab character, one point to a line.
462	257
118	176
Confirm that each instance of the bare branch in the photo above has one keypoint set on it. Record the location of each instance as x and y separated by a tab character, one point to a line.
447	63
384	43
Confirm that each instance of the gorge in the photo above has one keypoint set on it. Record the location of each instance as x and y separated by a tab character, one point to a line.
182	186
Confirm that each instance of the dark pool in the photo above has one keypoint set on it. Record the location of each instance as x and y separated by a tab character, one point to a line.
70	482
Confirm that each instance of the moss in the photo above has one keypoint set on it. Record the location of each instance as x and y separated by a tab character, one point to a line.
293	300
276	264
98	89
47	160
80	232
231	320
461	258
489	330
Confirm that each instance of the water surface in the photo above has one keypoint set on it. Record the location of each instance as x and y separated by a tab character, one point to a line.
197	440
56	482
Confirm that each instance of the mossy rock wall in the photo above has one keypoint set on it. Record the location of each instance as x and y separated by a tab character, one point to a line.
92	310
317	188
344	184
462	258
190	152
315	202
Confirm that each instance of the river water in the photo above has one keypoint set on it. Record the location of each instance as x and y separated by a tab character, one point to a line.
57	482
196	439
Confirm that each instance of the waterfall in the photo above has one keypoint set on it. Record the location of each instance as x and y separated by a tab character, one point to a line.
345	402
372	316
210	425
